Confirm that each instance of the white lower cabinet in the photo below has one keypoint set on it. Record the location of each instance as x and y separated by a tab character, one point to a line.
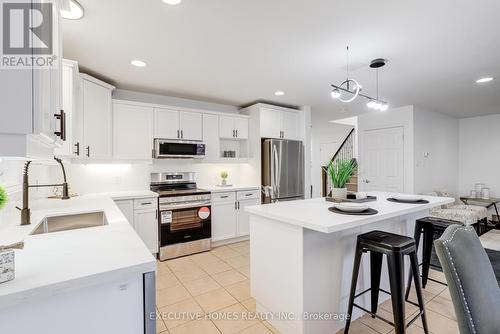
146	225
142	215
229	219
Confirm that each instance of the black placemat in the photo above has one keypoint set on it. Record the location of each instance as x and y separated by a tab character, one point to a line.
422	201
367	212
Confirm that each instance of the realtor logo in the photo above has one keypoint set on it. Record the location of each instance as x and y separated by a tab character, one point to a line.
27	35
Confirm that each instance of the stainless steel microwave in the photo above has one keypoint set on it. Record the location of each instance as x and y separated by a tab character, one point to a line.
178	149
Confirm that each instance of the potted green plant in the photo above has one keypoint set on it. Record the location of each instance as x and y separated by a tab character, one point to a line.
223	176
3	197
340	172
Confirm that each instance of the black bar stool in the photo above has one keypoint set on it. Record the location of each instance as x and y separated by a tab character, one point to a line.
395	247
428	227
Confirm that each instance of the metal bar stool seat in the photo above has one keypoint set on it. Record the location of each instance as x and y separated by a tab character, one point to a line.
428	227
395	247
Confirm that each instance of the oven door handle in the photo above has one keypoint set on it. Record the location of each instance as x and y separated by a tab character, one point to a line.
166	207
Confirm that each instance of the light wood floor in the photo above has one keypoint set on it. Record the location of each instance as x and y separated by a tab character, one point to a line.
217	283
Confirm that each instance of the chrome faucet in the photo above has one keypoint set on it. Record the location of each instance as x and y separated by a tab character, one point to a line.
25	211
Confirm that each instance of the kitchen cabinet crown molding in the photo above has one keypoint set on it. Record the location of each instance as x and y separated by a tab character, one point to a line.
177	108
97	81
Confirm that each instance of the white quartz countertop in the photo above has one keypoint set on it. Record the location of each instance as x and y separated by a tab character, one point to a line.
234	187
313	213
52	263
129	194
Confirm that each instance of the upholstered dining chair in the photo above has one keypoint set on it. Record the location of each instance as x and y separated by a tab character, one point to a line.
472	283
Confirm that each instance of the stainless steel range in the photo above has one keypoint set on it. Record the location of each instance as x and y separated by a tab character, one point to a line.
185	215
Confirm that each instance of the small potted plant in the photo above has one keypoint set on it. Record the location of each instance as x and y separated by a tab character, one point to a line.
3	197
340	172
223	176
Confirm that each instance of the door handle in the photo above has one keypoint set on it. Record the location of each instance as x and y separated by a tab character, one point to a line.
77	147
62	125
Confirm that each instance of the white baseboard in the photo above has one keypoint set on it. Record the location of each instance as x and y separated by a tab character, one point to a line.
230	241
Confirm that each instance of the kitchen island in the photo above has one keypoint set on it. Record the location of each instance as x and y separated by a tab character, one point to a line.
301	258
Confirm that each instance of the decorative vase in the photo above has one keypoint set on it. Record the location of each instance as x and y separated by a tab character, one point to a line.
223	182
339	193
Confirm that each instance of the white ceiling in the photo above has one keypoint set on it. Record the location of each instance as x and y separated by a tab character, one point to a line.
237	52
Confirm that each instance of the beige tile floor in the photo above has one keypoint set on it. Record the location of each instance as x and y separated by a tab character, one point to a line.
218	283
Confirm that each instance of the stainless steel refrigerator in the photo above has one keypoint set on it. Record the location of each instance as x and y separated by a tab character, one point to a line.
282	170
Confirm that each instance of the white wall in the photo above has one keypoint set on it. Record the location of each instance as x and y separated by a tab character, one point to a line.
324	143
479	153
397	117
436	152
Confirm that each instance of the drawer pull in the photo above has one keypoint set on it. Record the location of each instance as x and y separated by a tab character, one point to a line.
248	194
224	196
146	203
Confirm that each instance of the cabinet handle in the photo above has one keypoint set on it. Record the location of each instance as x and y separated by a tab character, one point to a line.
88	151
146	203
77	147
248	194
62	125
238	205
182	133
236	133
178	134
224	196
233	133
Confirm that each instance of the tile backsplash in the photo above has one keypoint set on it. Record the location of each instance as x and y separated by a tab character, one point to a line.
11	173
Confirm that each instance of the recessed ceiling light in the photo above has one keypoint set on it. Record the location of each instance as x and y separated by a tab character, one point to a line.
279	93
74	11
485	79
138	63
172	2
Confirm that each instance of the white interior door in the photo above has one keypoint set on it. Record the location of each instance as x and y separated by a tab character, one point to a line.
382	160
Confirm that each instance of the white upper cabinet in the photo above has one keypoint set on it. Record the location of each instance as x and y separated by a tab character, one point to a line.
132	131
270	123
175	124
211	136
289	125
70	84
191	125
233	127
94	118
167	124
276	123
31	124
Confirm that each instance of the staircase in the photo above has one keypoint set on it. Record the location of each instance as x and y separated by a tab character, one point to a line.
345	152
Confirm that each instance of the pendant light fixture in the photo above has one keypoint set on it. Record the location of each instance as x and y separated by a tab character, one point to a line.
377	104
352	89
349	86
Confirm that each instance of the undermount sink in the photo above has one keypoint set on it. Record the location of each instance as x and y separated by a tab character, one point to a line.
71	222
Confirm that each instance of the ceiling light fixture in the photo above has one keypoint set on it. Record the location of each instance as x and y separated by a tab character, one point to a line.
279	93
74	11
138	63
353	89
172	2
484	80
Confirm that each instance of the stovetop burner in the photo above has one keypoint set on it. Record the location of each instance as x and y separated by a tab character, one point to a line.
175	184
